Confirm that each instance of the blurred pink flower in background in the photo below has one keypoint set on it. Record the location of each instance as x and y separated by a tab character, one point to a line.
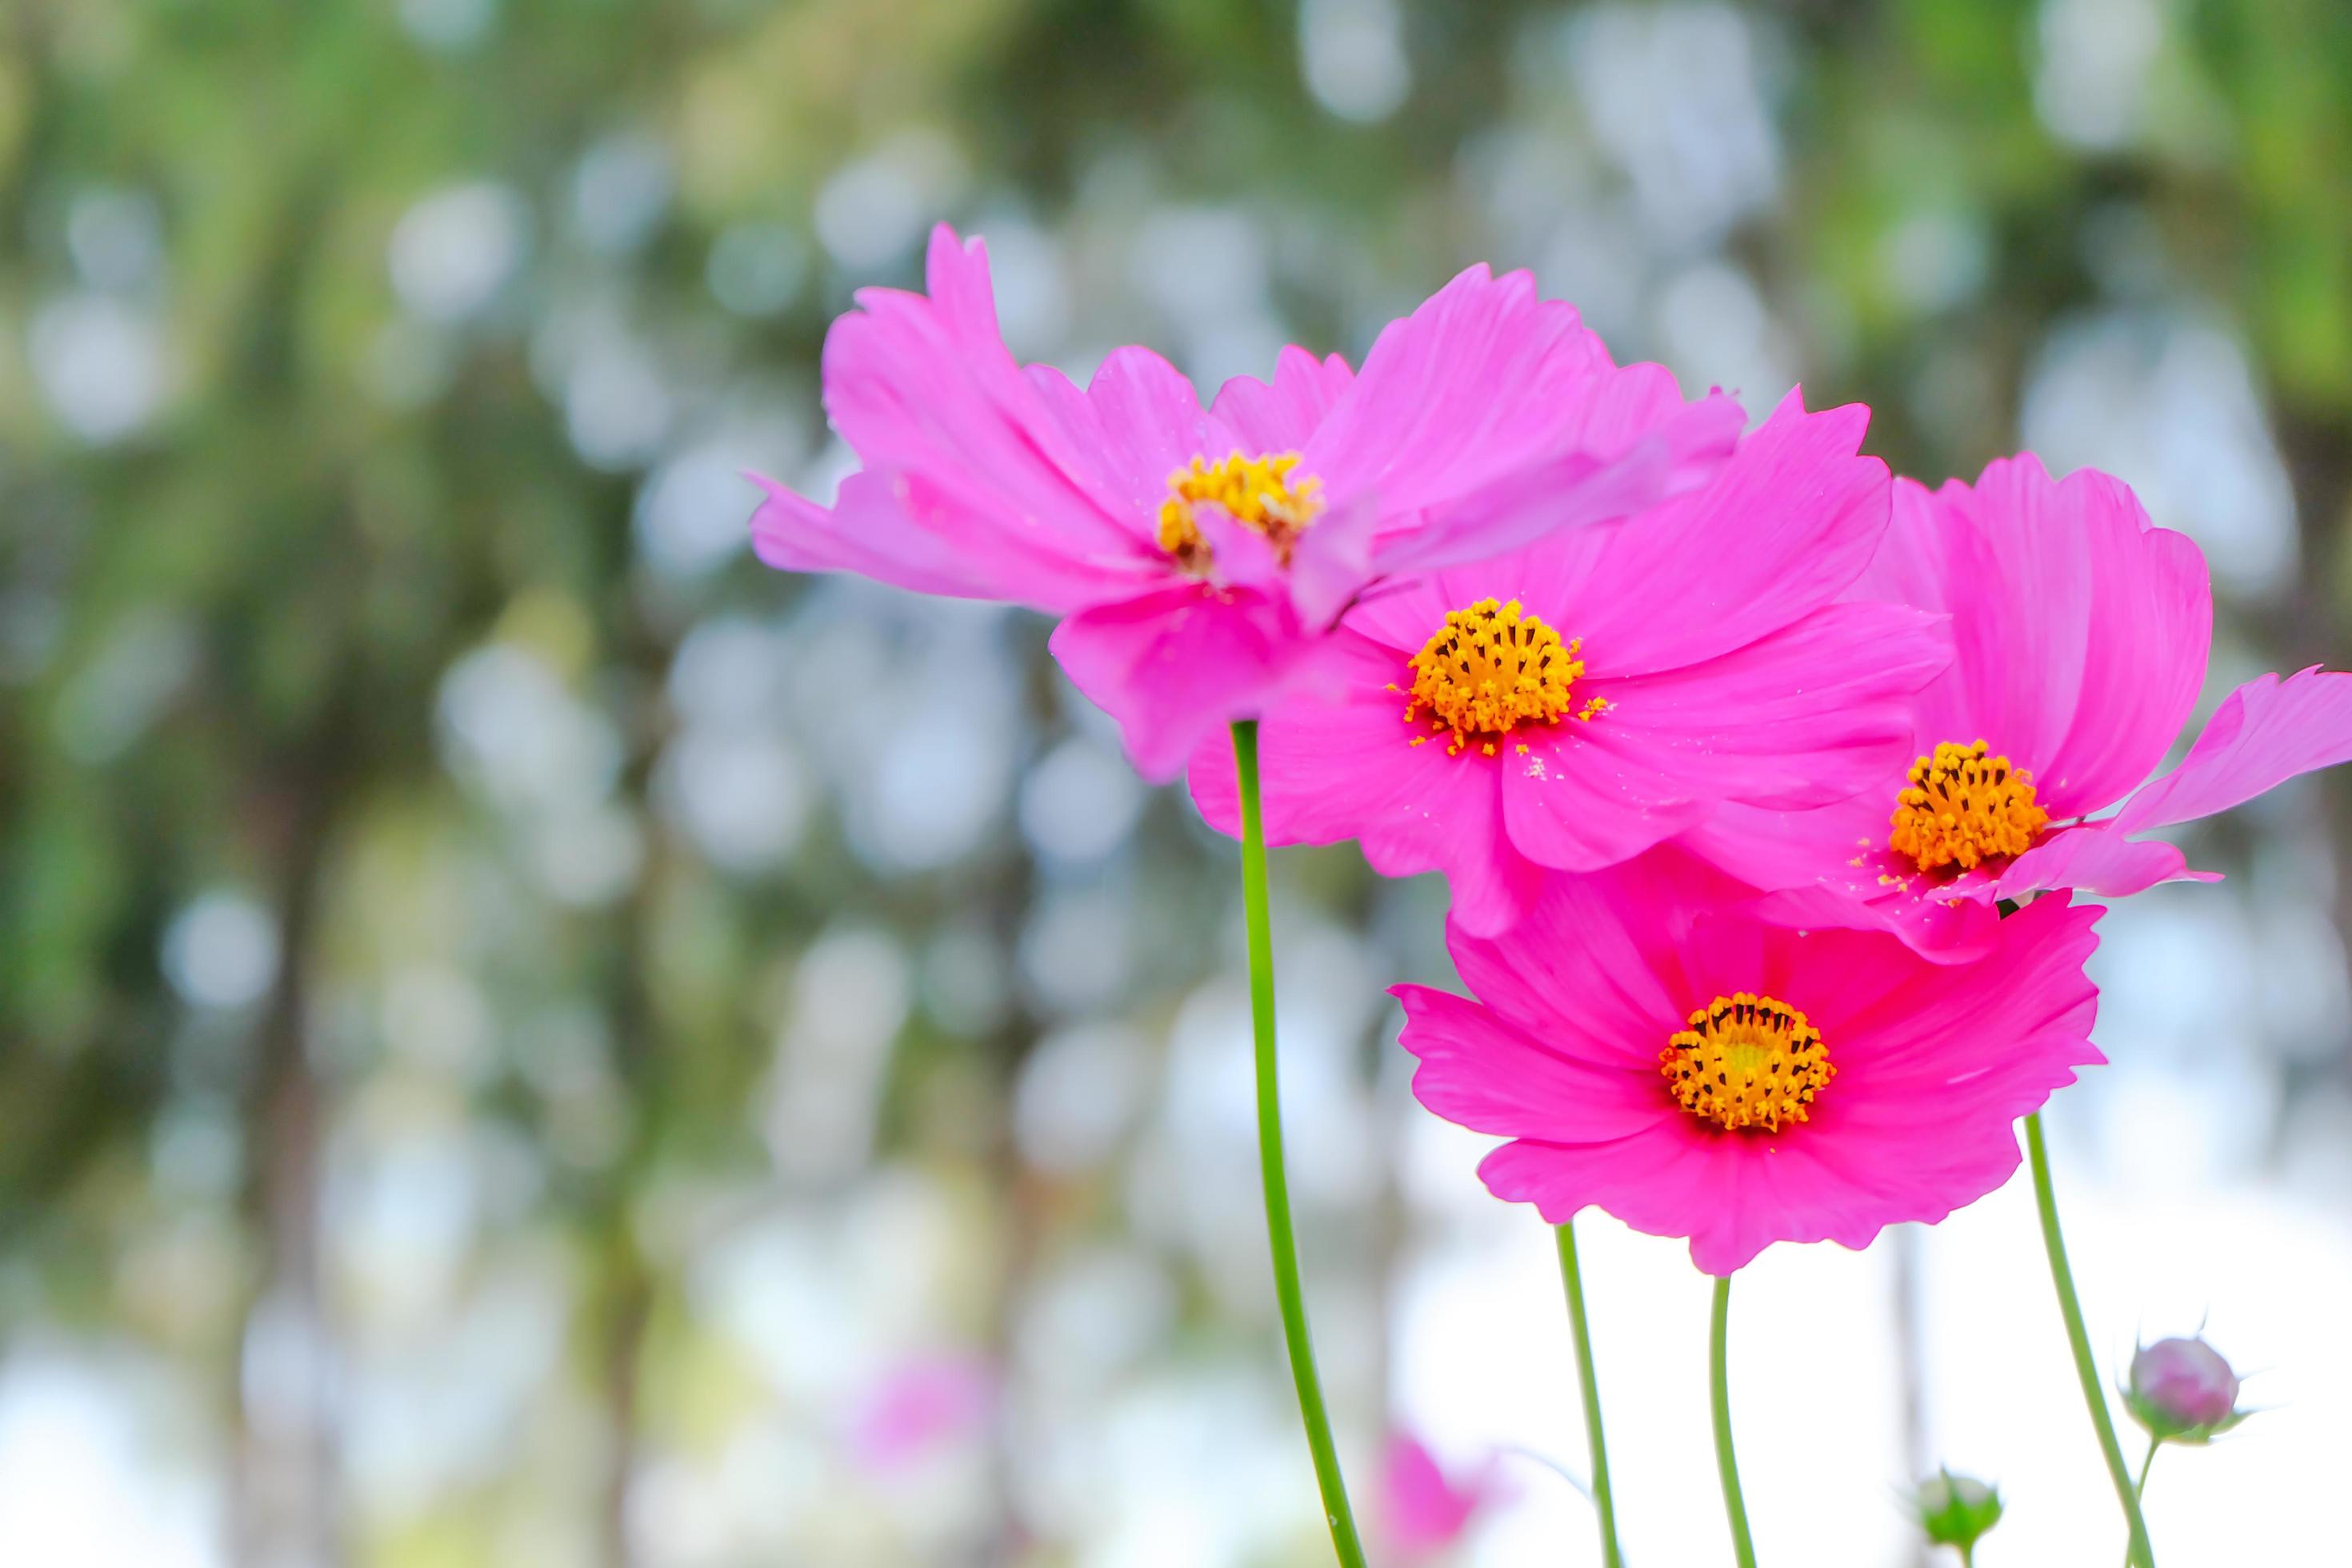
1575	702
1422	1510
1200	555
2081	633
1695	1071
919	1405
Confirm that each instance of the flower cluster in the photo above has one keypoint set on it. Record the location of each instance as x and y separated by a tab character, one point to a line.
1768	786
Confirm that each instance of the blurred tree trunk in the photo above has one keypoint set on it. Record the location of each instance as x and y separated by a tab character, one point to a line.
286	1458
627	1279
2319	454
628	1290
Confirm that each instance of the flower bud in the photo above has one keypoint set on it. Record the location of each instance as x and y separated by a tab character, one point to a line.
2182	1391
1955	1511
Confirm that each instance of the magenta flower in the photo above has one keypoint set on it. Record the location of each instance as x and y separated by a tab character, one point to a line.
2081	632
1423	1509
1654	1051
1577	701
1201	554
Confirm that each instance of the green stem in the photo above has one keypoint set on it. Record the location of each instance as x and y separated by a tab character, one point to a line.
1720	1379
1572	1277
1287	1292
2139	1554
2139	1488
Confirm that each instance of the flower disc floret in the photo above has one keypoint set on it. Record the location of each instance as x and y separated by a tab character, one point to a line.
1746	1061
1490	668
1964	807
1260	493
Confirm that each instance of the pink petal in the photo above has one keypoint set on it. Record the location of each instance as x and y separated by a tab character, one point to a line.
1284	416
1579	796
1655	1182
1547	578
1940	928
899	530
2094	858
1492	884
1337	761
1834	1190
1829	869
2264	734
1578	967
1423	1511
924	386
1332	561
1901	1031
2151	621
1484	382
1836	845
1580	488
1143	422
1732	1195
1330	763
1485	1073
1173	664
1448	397
1808	714
1244	557
1791	522
2080	630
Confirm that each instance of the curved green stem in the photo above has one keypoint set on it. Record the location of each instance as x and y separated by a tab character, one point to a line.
2140	1553
1589	1384
1720	1379
1287	1292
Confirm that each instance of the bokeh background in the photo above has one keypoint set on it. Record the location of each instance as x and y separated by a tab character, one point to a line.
526	1039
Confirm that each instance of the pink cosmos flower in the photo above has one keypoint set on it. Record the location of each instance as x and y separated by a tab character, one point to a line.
1697	1071
2081	632
920	1403
1572	703
1198	554
1423	1508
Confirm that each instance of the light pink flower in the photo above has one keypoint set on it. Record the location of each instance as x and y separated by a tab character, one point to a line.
920	1403
2183	1389
2187	1379
1422	1510
1200	554
2081	632
1655	1052
1647	673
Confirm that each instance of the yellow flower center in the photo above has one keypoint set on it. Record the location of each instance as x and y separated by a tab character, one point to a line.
1746	1061
1962	808
1258	493
1487	670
